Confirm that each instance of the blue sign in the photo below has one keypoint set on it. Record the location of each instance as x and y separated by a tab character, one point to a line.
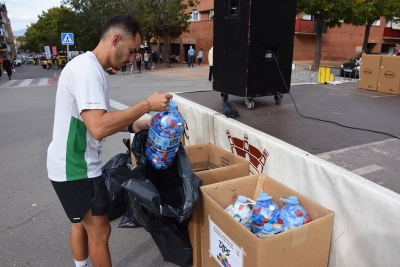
67	38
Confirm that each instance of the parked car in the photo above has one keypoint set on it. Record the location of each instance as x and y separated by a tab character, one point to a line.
30	60
351	68
17	62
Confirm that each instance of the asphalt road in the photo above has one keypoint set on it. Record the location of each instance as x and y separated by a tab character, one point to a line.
34	230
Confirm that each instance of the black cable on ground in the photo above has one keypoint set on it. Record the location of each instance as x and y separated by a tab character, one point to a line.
350	127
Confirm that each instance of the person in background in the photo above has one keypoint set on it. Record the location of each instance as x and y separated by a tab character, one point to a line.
146	60
1	65
123	68
397	49
191	56
210	63
160	57
132	64
139	62
8	67
364	51
82	120
200	57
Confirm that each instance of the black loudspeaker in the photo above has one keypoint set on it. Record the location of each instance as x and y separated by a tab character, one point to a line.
248	37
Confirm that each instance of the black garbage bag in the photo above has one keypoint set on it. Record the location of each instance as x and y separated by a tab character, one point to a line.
162	201
118	201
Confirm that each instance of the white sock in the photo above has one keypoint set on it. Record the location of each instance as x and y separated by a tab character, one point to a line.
85	263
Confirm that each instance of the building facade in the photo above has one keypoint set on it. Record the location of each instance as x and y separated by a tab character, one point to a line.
7	44
338	44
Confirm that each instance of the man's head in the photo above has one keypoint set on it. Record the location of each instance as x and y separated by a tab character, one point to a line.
123	34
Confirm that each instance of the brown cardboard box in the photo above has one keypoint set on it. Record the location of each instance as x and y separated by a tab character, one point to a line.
211	164
307	245
389	75
369	72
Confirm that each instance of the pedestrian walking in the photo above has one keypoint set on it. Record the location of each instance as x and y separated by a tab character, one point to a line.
8	67
200	57
191	56
132	65
160	57
123	68
210	63
82	120
139	62
146	60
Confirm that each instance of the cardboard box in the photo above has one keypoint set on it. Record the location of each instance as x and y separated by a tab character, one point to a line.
369	72
389	75
211	164
307	245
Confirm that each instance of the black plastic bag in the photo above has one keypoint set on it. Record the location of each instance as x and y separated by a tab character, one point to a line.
162	201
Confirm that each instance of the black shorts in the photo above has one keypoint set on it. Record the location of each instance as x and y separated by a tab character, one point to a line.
77	197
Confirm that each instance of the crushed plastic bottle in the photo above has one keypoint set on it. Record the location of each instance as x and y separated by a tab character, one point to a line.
292	215
166	129
240	211
264	211
271	229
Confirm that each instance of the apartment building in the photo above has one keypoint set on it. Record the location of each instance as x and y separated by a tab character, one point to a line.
7	44
338	44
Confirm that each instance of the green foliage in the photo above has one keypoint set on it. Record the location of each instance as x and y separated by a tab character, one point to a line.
365	12
47	30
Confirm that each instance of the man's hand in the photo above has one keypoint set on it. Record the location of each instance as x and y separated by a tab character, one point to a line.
140	125
159	101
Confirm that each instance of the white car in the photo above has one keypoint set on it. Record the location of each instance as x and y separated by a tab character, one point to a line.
17	62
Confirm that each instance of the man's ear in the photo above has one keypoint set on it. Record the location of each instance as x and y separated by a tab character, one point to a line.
115	39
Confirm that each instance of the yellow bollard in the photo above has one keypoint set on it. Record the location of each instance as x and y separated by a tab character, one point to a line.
321	74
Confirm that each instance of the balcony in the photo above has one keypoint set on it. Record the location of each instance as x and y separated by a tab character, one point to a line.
307	27
389	33
3	47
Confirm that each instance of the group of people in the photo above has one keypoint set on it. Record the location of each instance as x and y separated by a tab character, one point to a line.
200	55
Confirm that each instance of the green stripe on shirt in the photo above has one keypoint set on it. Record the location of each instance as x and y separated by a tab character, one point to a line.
76	166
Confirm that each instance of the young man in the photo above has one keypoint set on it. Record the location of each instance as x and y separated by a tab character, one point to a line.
82	121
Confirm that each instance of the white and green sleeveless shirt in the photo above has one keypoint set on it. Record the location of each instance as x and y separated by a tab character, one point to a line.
73	153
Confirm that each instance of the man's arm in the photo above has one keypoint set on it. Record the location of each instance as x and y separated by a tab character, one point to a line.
101	124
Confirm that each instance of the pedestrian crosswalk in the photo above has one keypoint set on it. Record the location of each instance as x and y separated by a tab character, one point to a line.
27	82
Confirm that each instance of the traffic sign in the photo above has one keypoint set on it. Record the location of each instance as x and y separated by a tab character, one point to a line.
67	38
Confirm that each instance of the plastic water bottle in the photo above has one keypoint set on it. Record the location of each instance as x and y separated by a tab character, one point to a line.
264	211
292	214
166	129
240	211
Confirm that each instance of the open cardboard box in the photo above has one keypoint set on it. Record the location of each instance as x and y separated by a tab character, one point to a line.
211	164
224	237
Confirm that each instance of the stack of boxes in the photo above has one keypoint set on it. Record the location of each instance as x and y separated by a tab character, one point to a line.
380	73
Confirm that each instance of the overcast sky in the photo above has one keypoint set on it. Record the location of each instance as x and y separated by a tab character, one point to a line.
25	12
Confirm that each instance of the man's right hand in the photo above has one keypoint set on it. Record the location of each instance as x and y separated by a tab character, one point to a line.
159	101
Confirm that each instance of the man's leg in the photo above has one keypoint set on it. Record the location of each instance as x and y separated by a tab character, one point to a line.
79	242
98	231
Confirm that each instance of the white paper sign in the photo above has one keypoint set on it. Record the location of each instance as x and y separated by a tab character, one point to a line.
223	249
47	52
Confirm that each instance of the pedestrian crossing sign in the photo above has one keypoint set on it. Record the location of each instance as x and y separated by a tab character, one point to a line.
67	38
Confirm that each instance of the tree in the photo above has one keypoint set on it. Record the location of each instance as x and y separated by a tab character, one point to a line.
329	12
164	18
366	12
47	30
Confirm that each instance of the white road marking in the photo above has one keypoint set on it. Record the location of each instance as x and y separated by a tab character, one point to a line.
43	81
26	82
327	155
9	83
367	169
120	106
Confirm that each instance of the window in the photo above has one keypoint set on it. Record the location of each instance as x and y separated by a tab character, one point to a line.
377	23
211	16
306	17
195	15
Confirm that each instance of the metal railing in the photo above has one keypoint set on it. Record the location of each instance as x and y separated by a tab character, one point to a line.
301	73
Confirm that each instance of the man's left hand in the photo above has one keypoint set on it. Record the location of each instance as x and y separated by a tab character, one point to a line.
140	125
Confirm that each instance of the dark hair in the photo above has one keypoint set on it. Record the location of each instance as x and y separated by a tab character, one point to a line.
128	24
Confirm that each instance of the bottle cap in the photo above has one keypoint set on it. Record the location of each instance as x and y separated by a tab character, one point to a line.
290	200
242	199
172	105
263	196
